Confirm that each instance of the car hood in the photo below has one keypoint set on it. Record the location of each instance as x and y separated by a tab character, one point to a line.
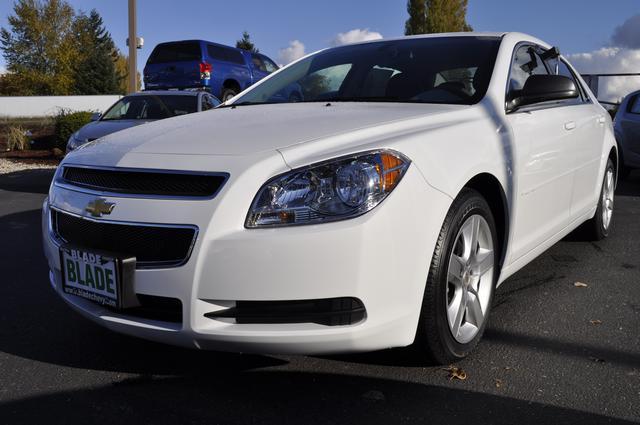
252	129
97	129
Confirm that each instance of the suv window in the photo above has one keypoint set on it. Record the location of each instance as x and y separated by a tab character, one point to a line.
634	105
526	62
175	52
225	54
269	64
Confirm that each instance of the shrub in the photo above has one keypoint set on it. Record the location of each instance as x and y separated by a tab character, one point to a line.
67	123
17	138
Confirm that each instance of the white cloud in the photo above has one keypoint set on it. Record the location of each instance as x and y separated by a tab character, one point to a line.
355	36
610	60
3	70
293	52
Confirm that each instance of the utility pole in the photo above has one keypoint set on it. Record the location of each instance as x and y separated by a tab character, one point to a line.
133	45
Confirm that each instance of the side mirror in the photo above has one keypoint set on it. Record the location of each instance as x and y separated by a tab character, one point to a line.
96	116
544	88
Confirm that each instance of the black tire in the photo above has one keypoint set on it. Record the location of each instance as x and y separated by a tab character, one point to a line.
595	229
434	336
228	93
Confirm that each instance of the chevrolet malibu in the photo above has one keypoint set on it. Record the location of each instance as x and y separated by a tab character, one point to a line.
383	210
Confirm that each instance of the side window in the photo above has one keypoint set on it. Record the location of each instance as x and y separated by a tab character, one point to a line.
634	105
209	102
559	67
269	65
225	54
258	63
526	62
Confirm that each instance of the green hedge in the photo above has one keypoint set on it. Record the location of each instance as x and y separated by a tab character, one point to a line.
67	123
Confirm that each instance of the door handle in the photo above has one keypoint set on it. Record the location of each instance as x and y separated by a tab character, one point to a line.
569	125
601	120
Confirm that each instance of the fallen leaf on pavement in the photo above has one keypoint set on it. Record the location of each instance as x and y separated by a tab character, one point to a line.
498	383
456	373
580	285
596	322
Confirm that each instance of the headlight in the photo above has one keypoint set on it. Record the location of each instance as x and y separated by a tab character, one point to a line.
73	142
334	190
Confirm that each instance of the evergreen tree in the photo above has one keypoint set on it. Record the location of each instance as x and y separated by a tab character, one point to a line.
38	48
246	44
95	69
436	16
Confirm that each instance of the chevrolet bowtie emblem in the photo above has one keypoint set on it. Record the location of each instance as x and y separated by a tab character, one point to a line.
99	207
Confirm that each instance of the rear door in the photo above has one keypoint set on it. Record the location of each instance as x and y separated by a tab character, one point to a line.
174	65
587	120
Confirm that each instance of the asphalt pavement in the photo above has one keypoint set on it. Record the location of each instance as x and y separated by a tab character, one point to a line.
553	353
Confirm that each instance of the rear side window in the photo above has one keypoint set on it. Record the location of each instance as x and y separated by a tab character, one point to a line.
176	52
225	54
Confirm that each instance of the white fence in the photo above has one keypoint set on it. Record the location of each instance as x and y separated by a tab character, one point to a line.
41	106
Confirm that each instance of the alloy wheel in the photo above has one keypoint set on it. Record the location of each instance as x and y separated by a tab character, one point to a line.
607	199
470	279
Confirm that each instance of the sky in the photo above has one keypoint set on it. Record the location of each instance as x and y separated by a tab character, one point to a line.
285	29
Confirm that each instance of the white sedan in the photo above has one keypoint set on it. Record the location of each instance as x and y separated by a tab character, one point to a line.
381	210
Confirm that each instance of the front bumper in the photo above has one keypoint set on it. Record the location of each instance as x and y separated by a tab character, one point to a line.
381	258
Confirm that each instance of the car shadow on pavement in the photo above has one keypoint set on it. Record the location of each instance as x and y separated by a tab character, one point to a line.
29	181
629	186
279	397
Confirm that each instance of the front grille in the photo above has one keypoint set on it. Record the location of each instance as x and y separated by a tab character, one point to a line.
143	182
328	311
152	245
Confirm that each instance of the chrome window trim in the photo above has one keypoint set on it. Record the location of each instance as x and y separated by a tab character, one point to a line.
140	265
62	183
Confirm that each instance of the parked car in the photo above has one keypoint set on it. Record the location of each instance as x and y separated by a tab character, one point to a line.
141	108
627	130
383	210
225	71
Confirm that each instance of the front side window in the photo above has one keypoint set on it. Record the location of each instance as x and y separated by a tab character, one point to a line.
151	107
454	70
526	62
559	67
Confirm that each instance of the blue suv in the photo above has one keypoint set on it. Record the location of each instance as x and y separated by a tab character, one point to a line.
224	71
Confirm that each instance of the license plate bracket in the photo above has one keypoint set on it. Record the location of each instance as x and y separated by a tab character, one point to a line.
105	278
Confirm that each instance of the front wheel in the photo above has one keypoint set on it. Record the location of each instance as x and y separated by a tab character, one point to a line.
461	281
598	227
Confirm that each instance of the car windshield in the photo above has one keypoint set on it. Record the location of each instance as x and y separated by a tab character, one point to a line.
452	70
151	107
